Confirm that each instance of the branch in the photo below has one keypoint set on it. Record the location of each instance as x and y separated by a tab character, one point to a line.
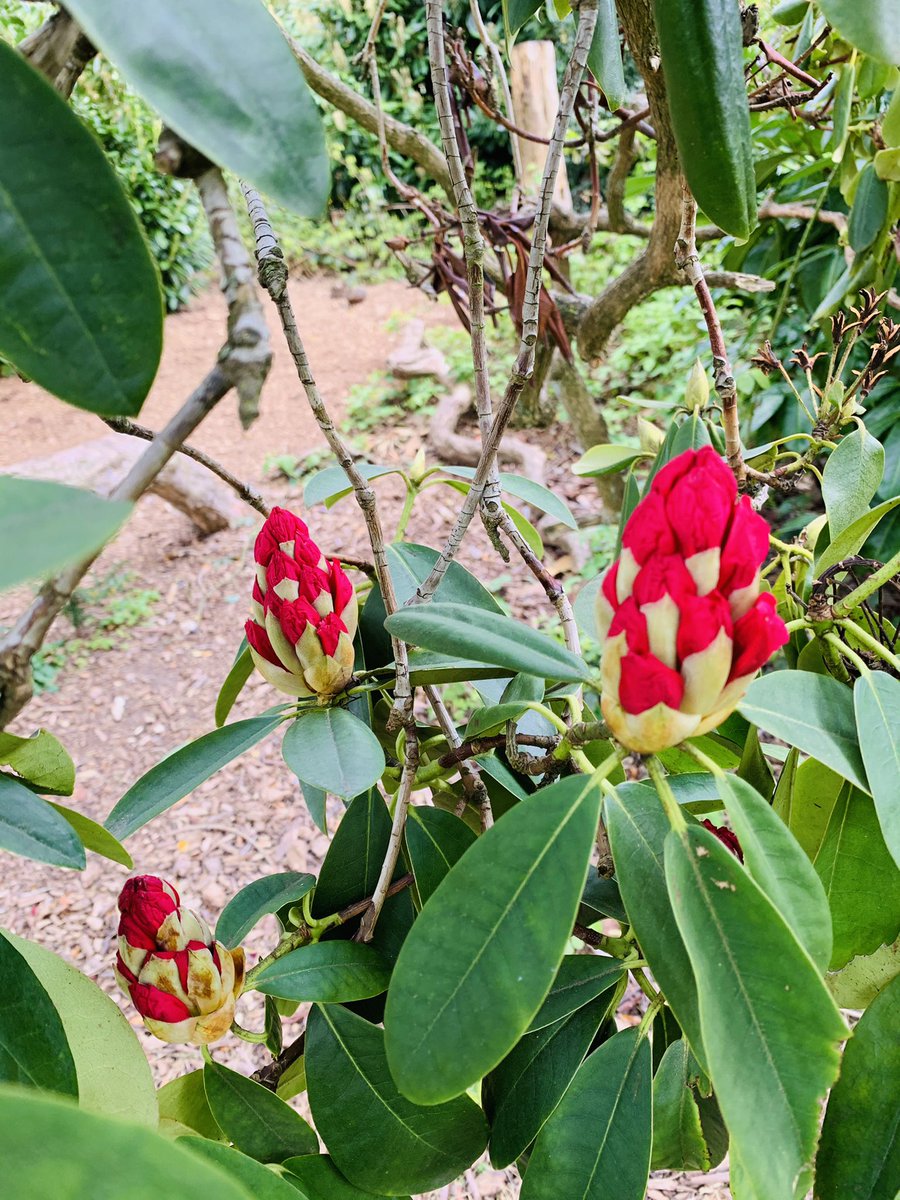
481	745
688	260
470	776
392	854
400	137
60	50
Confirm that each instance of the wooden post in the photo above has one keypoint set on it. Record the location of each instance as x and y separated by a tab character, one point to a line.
535	102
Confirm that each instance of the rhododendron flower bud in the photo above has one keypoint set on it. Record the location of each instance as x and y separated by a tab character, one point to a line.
728	839
685	627
182	982
304	612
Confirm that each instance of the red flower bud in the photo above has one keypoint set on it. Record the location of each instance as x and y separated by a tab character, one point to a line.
686	626
728	839
182	982
303	612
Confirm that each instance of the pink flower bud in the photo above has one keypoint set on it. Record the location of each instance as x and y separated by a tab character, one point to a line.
182	982
687	628
303	612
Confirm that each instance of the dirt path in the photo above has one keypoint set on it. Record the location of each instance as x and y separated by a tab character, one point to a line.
134	704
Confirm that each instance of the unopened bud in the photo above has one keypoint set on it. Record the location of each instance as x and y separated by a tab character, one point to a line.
696	394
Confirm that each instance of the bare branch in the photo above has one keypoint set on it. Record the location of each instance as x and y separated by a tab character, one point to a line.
473	785
392	855
60	50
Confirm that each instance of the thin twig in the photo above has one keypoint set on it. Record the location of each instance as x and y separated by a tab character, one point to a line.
473	785
392	854
688	260
481	745
553	589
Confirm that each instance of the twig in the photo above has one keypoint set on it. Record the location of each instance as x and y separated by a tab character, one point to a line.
524	363
368	50
553	589
688	260
273	277
481	745
392	854
473	785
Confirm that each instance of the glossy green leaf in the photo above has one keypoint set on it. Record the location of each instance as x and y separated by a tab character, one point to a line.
678	1141
517	12
530	535
601	898
329	972
532	493
487	638
579	980
176	776
435	840
637	828
842	110
601	1130
292	1081
334	750
262	896
111	1069
859	1155
51	1148
316	800
851	478
328	486
851	540
605	56
701	40
607	460
860	878
585	608
94	837
411	564
813	713
524	1089
887	164
183	1104
31	827
260	1182
427	667
867	217
776	861
81	306
758	990
353	862
254	1119
223	76
40	760
44	526
876	699
241	670
528	872
34	1049
377	1137
806	801
320	1179
871	27
858	983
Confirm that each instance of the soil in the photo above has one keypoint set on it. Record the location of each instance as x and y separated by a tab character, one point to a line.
157	688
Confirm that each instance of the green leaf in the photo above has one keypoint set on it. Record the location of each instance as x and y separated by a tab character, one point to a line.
678	1141
258	898
316	800
40	760
46	526
860	878
585	608
378	1138
328	486
859	1155
292	1081
488	638
887	164
811	712
602	898
528	872
51	1148
329	972
532	493
871	27
867	216
426	667
435	840
94	837
260	1182
321	1180
806	807
529	534
34	1049
605	56
851	478
851	540
182	1102
111	1068
241	670
176	776
517	12
637	828
876	697
254	1118
579	980
222	75
524	1089
31	827
607	460
334	750
758	990
411	565
601	1130
81	307
776	861
858	983
701	40
353	862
